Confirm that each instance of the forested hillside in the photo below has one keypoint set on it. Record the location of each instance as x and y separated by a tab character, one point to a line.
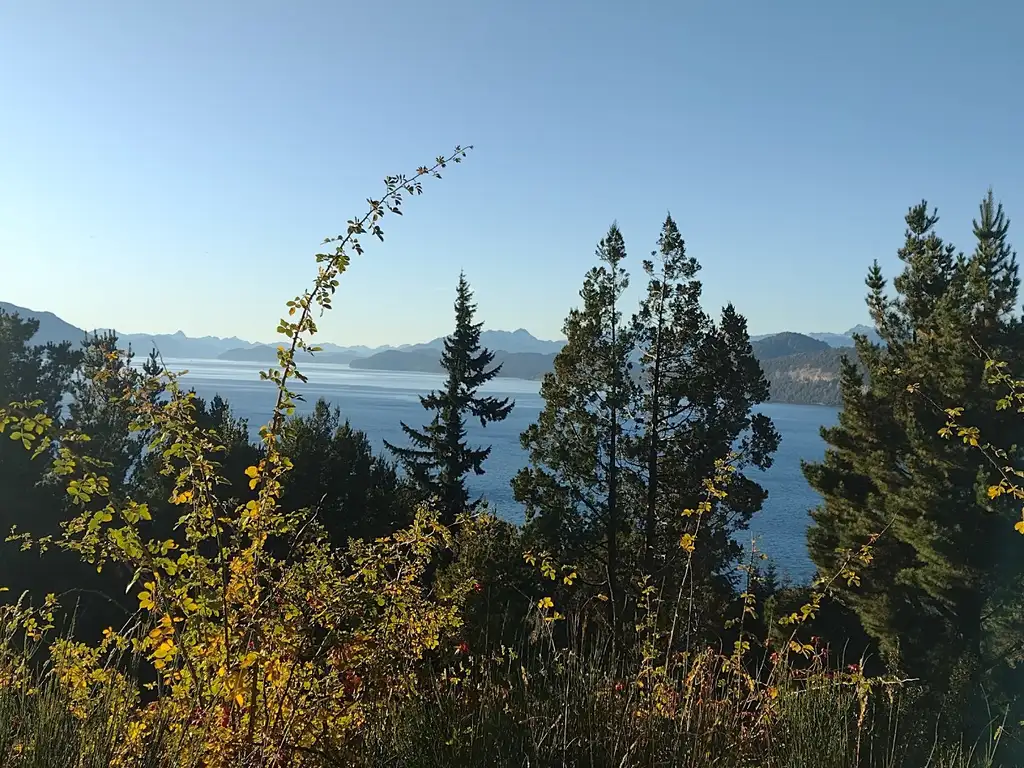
800	369
809	378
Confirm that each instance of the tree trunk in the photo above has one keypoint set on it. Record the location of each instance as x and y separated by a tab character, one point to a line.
614	597
650	518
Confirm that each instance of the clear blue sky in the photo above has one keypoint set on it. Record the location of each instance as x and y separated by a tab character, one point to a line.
174	165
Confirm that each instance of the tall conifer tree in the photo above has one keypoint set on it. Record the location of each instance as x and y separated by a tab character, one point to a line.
97	404
440	458
699	382
943	589
619	451
576	490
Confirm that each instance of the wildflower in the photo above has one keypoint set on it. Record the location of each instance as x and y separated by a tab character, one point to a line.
462	648
853	668
774	657
478	587
618	687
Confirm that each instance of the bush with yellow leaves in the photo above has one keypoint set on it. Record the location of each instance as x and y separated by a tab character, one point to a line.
262	644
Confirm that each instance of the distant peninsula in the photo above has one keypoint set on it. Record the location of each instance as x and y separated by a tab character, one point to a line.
514	365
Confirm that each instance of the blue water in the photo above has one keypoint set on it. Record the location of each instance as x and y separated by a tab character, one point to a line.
377	401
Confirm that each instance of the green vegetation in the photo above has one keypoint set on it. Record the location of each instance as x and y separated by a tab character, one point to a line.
440	458
943	593
299	602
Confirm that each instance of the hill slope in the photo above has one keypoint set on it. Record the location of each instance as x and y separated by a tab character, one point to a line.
51	328
846	339
808	378
800	369
786	343
519	340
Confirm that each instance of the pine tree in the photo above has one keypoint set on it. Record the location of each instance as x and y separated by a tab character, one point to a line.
669	323
97	404
699	383
576	490
944	581
440	458
29	373
32	500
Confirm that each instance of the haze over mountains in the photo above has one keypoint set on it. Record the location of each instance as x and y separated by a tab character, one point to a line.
801	368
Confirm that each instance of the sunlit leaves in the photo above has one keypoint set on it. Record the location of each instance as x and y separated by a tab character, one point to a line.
224	622
146	601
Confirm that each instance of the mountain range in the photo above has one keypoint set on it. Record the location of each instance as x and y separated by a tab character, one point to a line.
801	368
56	330
834	339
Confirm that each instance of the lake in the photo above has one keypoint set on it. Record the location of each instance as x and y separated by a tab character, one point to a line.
377	401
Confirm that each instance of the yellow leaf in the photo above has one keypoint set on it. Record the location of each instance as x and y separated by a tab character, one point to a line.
1019	527
164	650
546	602
251	471
250	659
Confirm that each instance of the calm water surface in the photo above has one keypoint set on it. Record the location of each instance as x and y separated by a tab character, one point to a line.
377	401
